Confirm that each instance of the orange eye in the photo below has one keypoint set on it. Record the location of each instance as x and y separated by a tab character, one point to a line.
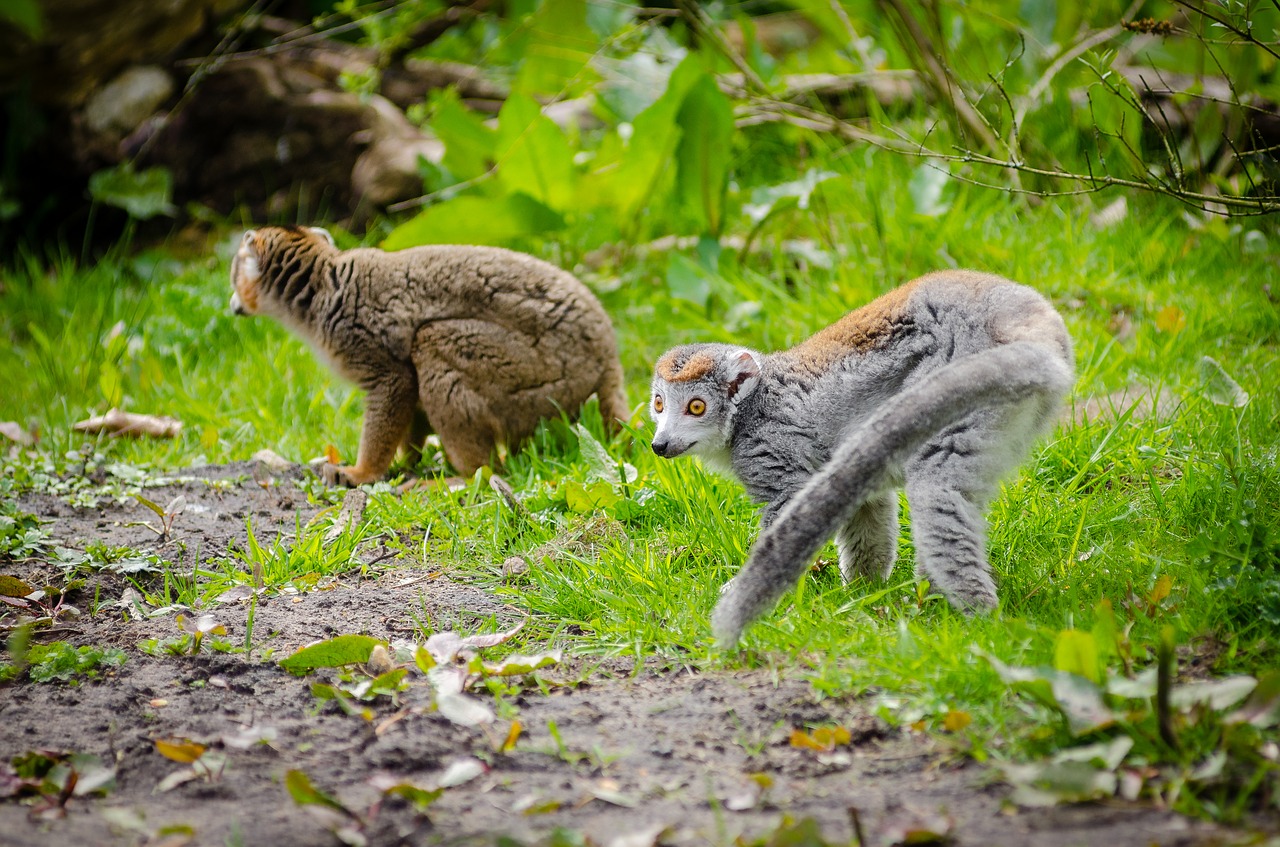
657	403
697	407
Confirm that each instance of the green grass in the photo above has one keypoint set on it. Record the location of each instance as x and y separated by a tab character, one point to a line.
1097	524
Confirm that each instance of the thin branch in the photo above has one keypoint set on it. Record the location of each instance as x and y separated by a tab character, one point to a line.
1243	33
810	119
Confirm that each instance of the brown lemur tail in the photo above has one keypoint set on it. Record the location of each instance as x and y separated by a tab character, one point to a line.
864	462
613	399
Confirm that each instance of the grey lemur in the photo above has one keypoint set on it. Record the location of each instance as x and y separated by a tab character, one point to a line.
940	386
477	344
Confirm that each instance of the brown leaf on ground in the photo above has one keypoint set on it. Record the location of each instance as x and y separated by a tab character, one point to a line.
119	422
13	431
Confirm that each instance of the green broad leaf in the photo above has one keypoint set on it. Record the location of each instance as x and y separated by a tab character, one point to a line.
768	199
299	786
1218	385
625	178
344	699
1076	652
1217	694
704	152
385	684
143	194
558	49
1104	754
1141	687
470	147
928	187
423	659
110	383
150	504
475	220
1079	700
534	157
1051	783
627	509
334	653
602	465
420	797
1263	706
516	665
686	280
25	15
582	498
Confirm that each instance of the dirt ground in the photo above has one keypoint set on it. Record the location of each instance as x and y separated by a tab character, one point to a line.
646	755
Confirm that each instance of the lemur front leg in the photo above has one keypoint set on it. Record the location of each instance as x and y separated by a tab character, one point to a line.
388	412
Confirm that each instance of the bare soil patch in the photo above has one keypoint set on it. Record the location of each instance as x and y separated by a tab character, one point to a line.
654	753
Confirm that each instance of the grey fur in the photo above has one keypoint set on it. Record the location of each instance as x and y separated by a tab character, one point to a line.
941	387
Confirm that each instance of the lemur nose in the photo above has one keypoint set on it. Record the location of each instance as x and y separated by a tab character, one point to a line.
660	447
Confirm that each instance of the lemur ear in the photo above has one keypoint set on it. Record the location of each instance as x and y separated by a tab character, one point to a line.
743	374
323	233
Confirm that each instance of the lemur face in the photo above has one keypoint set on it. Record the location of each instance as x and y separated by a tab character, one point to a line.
259	248
245	274
696	390
688	418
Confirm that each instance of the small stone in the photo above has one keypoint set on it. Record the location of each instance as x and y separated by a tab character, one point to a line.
515	566
120	106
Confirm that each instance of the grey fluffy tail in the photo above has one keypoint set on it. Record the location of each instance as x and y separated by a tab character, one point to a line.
866	460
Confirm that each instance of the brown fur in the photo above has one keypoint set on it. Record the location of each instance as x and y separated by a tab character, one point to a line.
477	344
875	324
672	369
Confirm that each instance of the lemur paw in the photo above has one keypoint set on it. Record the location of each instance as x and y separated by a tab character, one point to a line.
344	476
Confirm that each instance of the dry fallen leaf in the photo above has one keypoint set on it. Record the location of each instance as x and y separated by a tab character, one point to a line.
271	460
182	750
14	432
823	739
119	422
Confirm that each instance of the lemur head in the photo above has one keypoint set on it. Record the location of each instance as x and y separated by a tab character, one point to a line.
696	392
267	262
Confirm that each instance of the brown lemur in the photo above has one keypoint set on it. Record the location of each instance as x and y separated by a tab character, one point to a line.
477	344
939	387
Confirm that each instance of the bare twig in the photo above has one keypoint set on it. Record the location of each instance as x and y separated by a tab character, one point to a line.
1244	34
763	110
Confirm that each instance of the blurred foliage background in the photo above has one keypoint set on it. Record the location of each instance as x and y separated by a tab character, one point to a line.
489	122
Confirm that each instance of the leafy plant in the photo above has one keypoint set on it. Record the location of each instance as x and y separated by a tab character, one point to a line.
20	534
63	662
54	776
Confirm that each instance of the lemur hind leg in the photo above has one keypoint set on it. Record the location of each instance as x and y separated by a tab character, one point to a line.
868	543
949	483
